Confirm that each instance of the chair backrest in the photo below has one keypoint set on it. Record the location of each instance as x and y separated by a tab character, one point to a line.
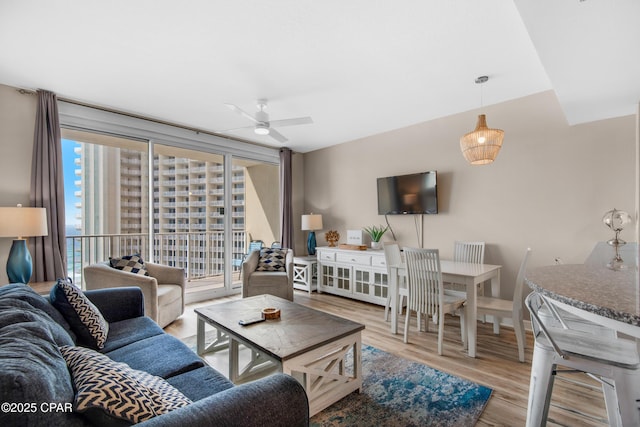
424	280
392	255
255	245
276	245
517	291
468	252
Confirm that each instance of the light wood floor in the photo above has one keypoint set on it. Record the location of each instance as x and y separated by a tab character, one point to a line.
576	400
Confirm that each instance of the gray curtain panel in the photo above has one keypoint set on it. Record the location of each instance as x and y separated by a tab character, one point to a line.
286	195
47	191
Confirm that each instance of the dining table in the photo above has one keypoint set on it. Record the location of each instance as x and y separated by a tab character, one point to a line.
468	274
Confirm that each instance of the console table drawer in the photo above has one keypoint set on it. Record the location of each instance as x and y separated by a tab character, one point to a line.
378	262
354	258
327	256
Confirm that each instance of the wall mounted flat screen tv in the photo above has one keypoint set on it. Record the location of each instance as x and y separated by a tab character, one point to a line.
408	194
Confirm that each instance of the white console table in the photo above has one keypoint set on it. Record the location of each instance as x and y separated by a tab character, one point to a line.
305	271
360	275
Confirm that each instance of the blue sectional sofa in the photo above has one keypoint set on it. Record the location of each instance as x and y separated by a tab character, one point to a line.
36	387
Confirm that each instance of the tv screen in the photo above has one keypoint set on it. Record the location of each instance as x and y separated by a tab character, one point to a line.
408	194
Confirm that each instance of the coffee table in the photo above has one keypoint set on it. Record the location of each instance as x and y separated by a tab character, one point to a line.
305	343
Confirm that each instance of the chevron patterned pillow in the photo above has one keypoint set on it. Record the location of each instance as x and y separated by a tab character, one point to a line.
131	263
272	260
117	389
85	319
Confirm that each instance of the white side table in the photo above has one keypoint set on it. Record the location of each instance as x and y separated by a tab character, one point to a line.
305	270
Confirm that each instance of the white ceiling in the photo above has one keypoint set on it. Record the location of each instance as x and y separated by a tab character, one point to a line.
357	67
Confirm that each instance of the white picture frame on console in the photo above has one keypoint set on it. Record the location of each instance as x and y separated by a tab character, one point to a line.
354	237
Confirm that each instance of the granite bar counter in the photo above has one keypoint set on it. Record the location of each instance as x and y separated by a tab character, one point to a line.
609	297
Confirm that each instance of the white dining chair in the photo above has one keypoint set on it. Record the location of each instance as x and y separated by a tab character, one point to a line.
614	362
392	256
472	252
502	308
426	292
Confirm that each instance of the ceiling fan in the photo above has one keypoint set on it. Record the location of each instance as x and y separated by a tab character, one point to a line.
261	123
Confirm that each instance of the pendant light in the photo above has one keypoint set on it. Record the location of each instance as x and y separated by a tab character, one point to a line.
481	146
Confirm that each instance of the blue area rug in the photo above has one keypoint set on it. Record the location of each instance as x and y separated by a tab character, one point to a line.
398	392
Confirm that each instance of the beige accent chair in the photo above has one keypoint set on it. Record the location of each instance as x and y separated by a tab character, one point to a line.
163	288
278	283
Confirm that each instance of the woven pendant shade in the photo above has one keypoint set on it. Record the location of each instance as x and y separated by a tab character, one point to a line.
483	144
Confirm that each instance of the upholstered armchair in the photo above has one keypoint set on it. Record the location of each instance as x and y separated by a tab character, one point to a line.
255	281
163	288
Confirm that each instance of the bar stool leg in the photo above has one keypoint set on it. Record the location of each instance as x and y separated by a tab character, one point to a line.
627	390
541	386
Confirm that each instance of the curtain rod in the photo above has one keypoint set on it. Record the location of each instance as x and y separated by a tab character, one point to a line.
137	116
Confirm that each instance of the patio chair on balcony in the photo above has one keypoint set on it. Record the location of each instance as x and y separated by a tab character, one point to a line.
163	288
268	271
254	245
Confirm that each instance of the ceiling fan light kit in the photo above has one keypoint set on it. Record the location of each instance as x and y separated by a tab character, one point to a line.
481	146
261	123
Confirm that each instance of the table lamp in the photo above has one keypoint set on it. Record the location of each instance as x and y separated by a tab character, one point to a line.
311	222
21	222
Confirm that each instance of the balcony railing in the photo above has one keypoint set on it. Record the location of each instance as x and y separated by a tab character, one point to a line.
201	254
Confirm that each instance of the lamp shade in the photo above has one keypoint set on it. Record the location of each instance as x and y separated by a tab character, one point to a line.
483	144
312	222
23	222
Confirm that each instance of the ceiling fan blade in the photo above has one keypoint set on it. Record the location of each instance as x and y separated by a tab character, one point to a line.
232	129
291	122
277	135
242	112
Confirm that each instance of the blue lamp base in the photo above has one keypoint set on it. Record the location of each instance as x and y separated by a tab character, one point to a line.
311	243
19	264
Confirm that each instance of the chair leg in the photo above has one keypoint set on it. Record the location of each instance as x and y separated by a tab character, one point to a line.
518	327
540	387
406	326
463	327
627	385
440	330
611	404
387	306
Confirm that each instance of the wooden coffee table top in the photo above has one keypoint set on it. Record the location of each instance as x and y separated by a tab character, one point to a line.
298	330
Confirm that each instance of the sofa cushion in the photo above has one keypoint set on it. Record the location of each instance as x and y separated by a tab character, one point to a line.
130	263
272	260
84	317
264	278
117	389
128	331
32	371
19	291
200	383
161	355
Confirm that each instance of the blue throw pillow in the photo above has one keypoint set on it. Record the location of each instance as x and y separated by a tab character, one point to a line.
85	319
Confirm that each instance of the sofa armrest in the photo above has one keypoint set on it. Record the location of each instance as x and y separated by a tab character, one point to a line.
275	401
117	304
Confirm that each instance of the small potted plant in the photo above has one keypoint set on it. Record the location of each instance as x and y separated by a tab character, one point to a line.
375	232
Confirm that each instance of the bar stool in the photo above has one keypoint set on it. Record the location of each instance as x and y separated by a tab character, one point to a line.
612	361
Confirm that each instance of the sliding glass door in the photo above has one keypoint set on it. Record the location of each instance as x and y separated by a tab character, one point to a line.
172	205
